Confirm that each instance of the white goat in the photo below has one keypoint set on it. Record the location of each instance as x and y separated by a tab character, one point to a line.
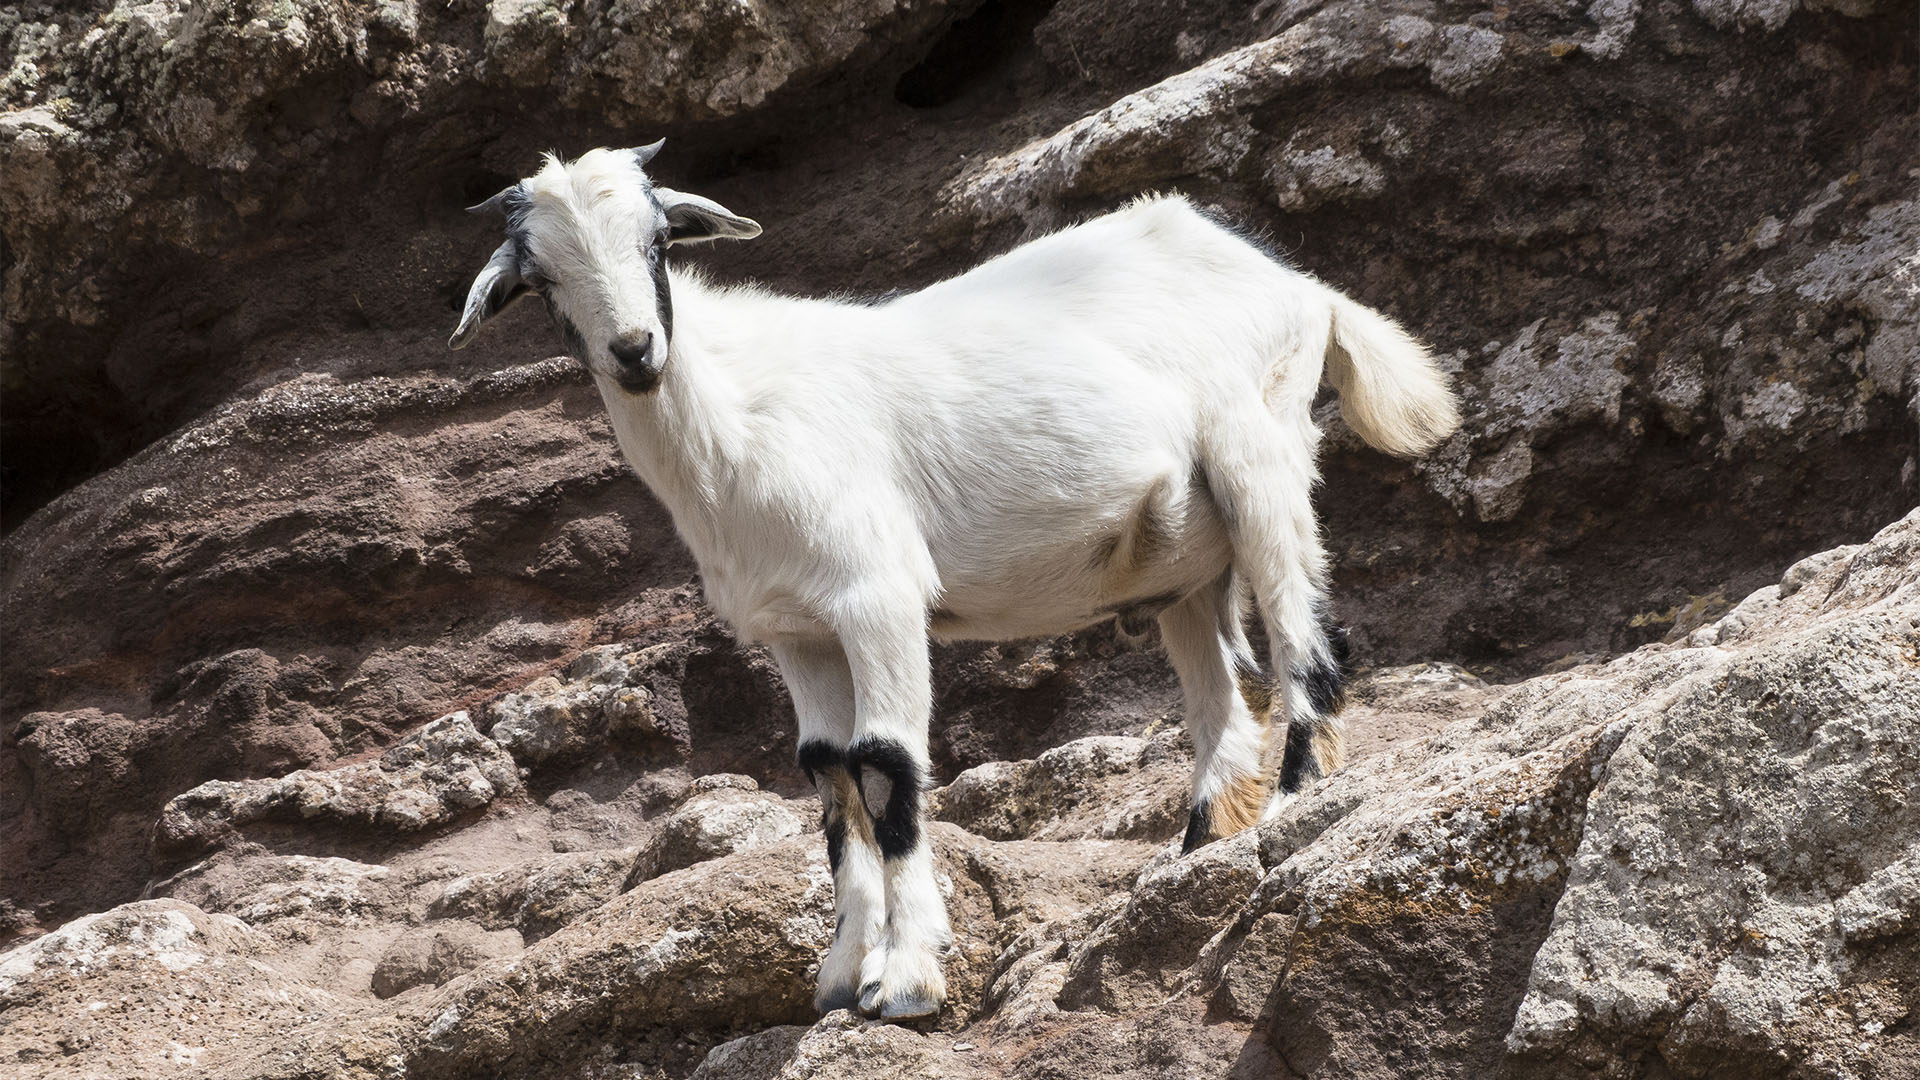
1111	421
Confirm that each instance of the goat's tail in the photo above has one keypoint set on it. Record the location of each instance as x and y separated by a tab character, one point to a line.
1392	394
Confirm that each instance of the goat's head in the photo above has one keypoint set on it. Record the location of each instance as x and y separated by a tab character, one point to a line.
590	237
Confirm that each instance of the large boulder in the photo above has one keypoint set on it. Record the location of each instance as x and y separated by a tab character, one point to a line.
143	990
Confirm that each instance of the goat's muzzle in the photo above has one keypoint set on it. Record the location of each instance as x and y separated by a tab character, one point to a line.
640	362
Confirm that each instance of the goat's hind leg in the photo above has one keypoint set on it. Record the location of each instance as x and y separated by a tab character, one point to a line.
817	678
1265	474
1227	704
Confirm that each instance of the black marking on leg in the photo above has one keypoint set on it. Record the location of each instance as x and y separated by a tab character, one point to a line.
816	756
1338	646
1325	678
1199	827
836	829
1323	684
820	759
1298	767
897	828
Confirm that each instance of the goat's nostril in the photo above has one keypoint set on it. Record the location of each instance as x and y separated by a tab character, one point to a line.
633	351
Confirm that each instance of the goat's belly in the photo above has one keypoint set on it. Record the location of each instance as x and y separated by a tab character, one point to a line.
1037	593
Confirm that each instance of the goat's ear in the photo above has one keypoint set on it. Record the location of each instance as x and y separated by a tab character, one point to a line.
497	286
644	154
692	219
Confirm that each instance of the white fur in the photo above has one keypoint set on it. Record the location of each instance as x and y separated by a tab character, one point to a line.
983	453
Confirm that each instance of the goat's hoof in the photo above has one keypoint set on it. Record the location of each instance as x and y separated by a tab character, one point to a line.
910	1007
914	1004
840	997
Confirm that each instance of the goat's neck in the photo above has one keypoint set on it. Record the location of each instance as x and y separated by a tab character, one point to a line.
686	438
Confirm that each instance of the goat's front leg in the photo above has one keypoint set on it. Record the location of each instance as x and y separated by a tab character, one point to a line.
817	678
886	650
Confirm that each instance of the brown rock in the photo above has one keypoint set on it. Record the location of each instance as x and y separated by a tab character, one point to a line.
433	954
434	776
1110	787
148	989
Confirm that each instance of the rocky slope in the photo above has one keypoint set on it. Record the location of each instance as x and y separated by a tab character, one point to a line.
1699	859
263	530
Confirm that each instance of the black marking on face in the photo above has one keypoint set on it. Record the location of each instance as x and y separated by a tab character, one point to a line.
1199	827
1298	767
638	382
569	333
657	265
897	826
663	297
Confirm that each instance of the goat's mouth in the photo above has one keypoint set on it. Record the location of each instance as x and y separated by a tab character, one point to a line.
637	379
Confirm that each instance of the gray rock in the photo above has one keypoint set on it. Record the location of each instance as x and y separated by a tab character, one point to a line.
1736	824
434	776
1105	786
723	815
550	721
537	898
1137	956
844	1047
1670	847
152	988
437	952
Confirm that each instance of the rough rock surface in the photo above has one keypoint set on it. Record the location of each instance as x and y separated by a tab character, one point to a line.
142	990
1695	857
431	777
262	528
